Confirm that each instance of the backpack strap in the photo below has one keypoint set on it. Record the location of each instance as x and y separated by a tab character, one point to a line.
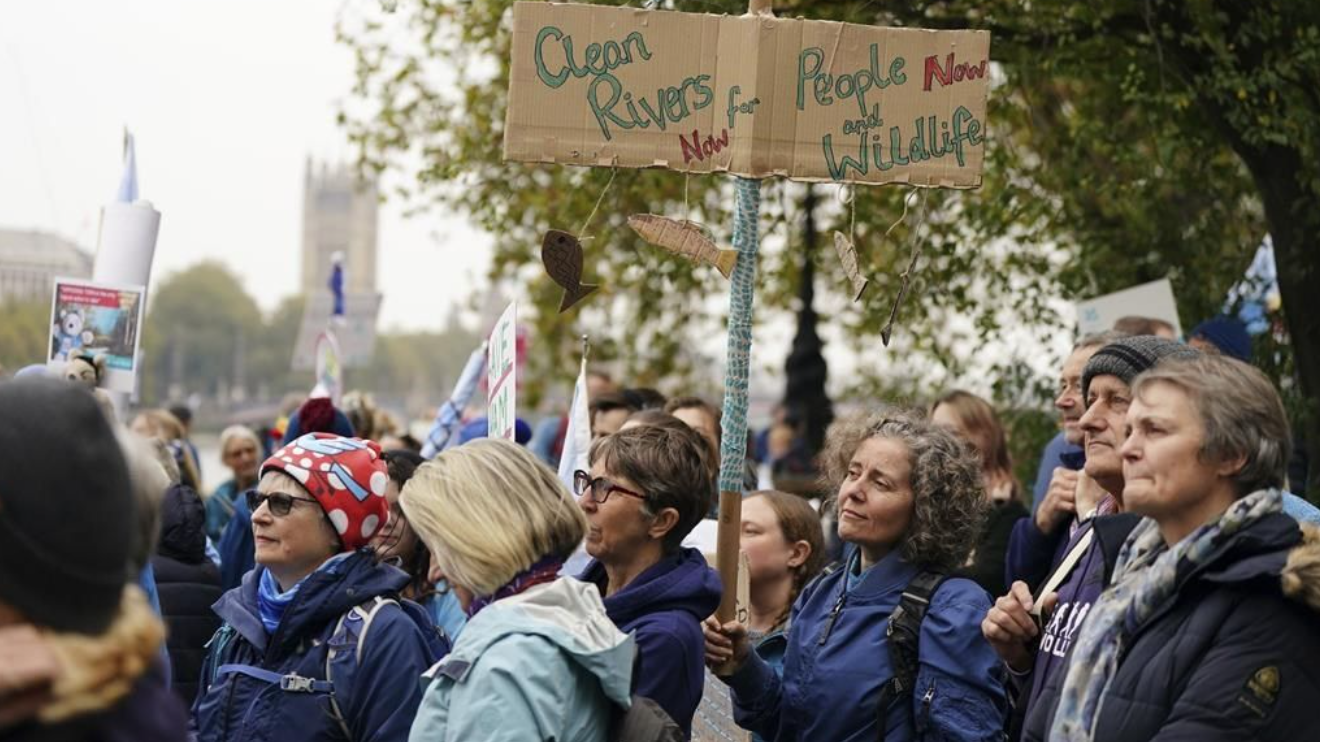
365	613
291	683
901	636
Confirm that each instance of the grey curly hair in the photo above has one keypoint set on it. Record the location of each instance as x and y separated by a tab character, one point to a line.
950	503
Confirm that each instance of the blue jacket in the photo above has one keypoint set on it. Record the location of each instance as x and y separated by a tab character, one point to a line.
378	697
220	508
1058	452
237	547
546	664
663	609
838	659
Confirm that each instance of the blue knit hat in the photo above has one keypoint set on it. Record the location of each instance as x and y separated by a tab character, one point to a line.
1227	334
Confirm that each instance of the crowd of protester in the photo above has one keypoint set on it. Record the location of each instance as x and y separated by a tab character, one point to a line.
1160	578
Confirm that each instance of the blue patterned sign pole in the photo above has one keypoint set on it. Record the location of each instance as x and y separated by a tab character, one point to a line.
733	453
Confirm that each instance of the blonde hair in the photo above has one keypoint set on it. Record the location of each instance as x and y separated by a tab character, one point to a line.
490	509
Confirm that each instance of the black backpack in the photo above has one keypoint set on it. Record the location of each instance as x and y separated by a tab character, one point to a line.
902	634
644	721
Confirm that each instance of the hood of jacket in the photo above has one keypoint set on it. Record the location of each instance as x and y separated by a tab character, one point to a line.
1300	578
679	582
324	596
570	615
182	525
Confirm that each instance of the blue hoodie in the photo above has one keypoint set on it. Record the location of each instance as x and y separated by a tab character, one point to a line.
378	696
663	609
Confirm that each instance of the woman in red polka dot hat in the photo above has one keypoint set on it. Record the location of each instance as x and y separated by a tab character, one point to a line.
294	659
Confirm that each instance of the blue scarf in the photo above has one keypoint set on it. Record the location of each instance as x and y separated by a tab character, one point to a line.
271	603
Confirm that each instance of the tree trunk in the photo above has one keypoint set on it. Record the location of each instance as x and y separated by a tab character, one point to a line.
805	396
1295	229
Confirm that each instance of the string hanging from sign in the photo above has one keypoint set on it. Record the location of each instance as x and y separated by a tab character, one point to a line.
582	232
846	247
914	196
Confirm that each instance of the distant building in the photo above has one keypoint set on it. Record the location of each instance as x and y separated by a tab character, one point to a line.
30	261
339	215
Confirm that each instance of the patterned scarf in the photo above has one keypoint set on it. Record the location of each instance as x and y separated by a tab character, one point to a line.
1144	578
545	570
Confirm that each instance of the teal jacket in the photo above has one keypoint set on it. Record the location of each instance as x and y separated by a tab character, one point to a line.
546	664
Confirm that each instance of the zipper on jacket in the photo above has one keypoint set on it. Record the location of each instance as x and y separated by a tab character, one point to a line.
834	616
926	700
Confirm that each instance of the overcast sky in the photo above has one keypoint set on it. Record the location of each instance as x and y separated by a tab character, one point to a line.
226	100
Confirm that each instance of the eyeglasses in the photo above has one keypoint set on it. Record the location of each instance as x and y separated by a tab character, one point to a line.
279	503
600	487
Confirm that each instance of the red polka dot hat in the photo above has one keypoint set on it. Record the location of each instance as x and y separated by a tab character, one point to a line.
346	475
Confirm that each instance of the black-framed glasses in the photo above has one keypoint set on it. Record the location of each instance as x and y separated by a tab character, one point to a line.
279	503
601	487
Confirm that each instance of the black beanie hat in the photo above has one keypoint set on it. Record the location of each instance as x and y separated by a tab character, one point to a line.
67	520
1128	357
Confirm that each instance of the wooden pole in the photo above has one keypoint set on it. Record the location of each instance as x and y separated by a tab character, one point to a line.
733	449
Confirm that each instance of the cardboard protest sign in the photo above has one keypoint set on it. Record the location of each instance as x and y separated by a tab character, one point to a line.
1154	300
501	373
101	319
754	96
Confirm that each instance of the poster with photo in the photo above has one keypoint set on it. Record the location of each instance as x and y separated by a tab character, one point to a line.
101	319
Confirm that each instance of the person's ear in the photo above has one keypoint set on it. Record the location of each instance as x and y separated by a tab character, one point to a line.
663	523
801	551
1231	466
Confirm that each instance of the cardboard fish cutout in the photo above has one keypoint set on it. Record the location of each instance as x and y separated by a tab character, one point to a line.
848	256
561	253
685	239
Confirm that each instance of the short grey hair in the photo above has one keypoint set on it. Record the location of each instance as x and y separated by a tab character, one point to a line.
1241	415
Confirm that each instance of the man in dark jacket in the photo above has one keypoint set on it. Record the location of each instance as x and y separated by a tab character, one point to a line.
1034	654
68	525
188	583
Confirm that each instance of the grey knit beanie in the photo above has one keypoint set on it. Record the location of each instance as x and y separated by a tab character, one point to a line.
1128	357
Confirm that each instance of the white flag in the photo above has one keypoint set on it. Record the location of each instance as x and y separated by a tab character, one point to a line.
577	439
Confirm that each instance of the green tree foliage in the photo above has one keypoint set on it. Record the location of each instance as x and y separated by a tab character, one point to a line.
24	334
1130	141
197	323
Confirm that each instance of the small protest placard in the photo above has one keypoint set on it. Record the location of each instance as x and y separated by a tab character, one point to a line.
1153	300
754	96
103	319
501	375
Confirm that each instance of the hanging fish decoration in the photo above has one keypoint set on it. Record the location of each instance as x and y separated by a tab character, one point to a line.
683	238
561	253
848	256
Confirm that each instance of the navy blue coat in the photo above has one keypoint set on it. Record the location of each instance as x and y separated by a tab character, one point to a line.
838	659
1228	657
663	609
378	698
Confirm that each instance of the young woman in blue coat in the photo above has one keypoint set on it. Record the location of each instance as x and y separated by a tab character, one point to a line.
910	498
315	644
